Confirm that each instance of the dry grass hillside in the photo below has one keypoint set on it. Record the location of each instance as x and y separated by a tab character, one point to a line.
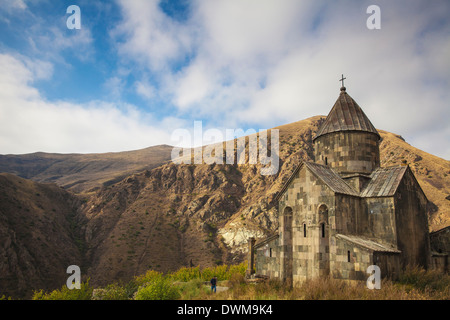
39	237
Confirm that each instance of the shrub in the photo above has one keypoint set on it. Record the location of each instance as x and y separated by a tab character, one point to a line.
424	280
193	289
222	272
237	268
159	288
186	274
219	271
84	293
149	276
111	292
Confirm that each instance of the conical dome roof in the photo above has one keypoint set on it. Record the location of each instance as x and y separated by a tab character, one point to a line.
346	115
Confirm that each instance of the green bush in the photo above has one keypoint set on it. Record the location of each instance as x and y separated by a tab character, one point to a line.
84	293
219	271
111	292
159	288
186	274
146	277
237	268
222	272
193	289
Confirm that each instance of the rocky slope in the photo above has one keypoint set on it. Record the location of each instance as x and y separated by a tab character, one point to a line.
39	235
177	215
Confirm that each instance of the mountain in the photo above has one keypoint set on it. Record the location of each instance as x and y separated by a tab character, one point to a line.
84	172
174	215
39	235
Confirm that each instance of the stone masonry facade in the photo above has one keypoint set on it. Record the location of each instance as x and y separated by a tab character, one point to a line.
343	213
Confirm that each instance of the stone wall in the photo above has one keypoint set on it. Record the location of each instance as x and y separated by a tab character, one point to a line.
348	151
440	240
440	247
439	262
380	219
267	259
348	261
314	222
312	204
349	216
412	222
389	264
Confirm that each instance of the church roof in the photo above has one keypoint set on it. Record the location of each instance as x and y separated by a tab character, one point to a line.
261	242
331	178
368	243
384	182
346	115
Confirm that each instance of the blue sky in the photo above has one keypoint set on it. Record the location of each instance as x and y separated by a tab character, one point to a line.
138	70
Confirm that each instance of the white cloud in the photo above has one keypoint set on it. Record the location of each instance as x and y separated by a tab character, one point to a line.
13	5
254	63
193	85
246	29
267	63
114	86
28	122
149	36
145	90
53	43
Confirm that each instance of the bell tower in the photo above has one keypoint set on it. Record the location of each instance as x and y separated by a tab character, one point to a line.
347	141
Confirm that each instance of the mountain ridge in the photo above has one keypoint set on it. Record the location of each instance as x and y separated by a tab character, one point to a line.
175	215
84	172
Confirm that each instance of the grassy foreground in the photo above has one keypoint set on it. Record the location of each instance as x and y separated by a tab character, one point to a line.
191	284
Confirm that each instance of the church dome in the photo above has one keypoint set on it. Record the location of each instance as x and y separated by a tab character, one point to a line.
347	141
346	115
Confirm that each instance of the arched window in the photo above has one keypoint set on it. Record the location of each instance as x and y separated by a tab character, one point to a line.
304	230
323	217
348	256
322	229
326	161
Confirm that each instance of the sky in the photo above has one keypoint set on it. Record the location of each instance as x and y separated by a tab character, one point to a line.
136	71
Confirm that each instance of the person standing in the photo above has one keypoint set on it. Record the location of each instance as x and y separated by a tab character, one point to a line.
213	283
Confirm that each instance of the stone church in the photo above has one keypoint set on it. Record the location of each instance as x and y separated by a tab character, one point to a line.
343	212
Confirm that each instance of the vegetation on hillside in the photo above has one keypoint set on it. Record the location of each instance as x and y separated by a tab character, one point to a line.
192	284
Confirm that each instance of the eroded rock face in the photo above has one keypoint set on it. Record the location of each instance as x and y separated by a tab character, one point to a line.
236	236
